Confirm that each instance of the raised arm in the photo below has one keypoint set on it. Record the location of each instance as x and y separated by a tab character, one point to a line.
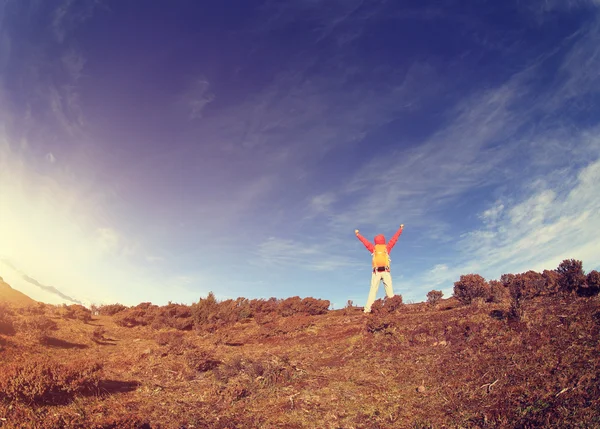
394	239
364	241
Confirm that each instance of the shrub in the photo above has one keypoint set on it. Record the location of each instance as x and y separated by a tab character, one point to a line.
506	279
470	287
168	337
37	328
498	291
296	305
37	309
522	287
570	275
76	312
290	306
393	304
315	306
98	334
380	323
230	311
434	297
175	316
387	305
6	320
40	381
244	309
532	283
110	309
592	284
130	318
262	306
551	282
204	310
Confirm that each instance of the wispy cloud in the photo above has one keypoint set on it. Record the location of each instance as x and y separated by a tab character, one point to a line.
70	14
536	233
417	183
281	253
50	289
73	63
542	7
485	144
301	117
541	171
197	97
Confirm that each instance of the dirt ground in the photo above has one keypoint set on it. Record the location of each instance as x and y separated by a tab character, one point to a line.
418	366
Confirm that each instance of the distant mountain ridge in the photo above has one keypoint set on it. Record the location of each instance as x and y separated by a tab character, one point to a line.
10	295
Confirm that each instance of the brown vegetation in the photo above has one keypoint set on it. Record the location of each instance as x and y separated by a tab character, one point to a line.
39	381
434	297
471	287
523	355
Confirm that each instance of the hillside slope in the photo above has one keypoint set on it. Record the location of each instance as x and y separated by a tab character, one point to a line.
12	296
413	366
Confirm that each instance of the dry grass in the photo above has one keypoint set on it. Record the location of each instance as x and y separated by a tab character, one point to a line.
286	364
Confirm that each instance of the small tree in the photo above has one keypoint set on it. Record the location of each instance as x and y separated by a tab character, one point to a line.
592	284
571	276
434	297
470	287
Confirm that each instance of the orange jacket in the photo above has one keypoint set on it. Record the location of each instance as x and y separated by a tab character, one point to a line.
380	239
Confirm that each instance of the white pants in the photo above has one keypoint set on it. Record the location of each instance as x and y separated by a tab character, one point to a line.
376	279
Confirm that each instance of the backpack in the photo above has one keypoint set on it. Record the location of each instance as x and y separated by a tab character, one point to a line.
381	258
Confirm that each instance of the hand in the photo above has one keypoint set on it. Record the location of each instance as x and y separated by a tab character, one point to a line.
356	231
402	226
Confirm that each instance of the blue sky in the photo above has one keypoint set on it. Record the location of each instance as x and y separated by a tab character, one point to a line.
159	152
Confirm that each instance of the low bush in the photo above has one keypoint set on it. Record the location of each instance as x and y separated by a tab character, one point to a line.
387	306
263	306
36	328
290	306
131	318
37	309
39	381
381	322
6	320
434	297
76	312
296	305
470	287
551	278
315	306
592	284
498	292
111	309
98	334
208	314
174	341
